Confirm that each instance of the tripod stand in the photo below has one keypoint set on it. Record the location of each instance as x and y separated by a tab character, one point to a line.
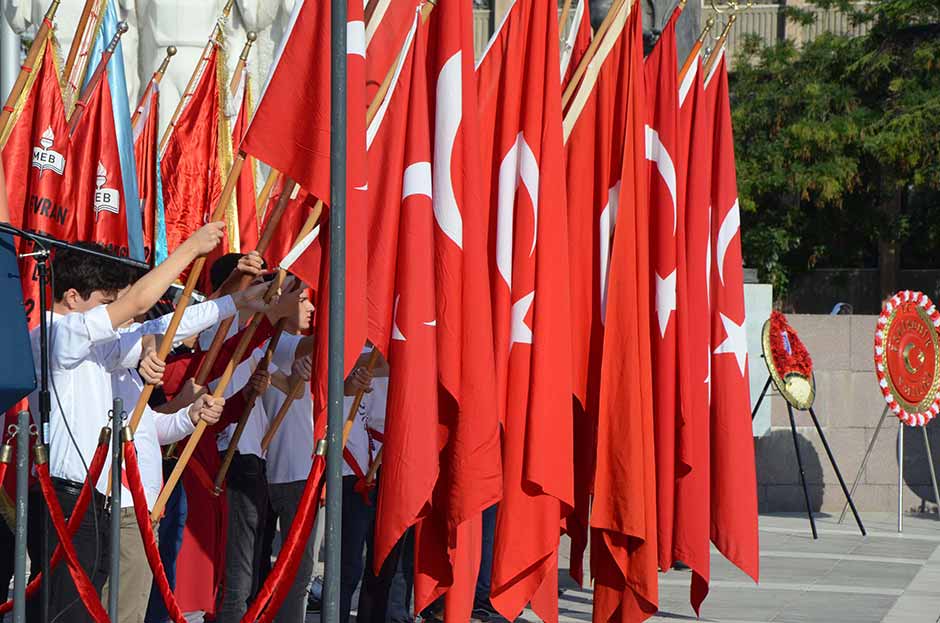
799	461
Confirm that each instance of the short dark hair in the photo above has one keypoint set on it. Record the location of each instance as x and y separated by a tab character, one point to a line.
72	269
222	268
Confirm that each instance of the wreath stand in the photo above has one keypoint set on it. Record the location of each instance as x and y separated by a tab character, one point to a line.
901	350
782	383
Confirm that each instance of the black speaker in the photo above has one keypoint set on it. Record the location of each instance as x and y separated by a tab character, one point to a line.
17	372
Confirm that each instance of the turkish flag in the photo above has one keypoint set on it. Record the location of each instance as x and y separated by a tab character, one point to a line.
623	517
692	500
245	190
96	186
470	466
667	238
733	474
146	138
386	32
521	130
189	165
401	181
594	143
36	151
576	44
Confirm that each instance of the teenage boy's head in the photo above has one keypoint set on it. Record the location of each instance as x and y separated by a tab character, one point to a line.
222	268
82	282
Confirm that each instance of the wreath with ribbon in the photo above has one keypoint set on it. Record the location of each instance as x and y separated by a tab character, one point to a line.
788	362
907	357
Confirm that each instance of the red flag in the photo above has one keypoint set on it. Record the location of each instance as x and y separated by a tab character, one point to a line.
308	263
386	31
405	326
146	137
189	165
594	130
96	186
667	237
576	44
691	528
245	190
733	477
520	103
623	517
35	156
470	477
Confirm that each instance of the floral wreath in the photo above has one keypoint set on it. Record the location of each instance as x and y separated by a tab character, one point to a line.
789	354
916	418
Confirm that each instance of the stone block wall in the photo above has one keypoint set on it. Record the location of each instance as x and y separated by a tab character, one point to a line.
848	406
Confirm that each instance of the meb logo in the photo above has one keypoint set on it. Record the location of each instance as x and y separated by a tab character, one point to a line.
106	199
45	158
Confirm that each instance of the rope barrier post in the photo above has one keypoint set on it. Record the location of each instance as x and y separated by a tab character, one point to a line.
334	453
117	414
22	501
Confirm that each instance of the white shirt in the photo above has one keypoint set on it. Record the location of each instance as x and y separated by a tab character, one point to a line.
257	424
290	455
84	350
155	429
362	442
80	388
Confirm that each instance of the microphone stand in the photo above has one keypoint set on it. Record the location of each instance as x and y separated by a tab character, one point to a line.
43	245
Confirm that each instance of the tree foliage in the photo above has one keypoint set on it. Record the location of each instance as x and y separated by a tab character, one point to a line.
838	142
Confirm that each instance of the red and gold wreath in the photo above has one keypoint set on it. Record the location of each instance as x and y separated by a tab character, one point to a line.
788	362
907	357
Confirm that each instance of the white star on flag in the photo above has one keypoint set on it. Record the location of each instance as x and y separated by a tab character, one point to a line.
735	343
665	300
520	332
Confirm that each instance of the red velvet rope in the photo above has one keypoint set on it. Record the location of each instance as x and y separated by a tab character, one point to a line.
81	506
86	590
136	486
281	577
3	470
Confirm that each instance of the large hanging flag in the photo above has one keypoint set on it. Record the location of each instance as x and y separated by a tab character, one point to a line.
733	478
190	167
447	546
248	229
36	153
667	238
576	44
521	134
96	187
290	131
692	502
403	321
146	139
594	134
121	108
623	516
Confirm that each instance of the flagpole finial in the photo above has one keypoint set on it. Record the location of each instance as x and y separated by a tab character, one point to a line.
51	11
170	53
121	29
252	37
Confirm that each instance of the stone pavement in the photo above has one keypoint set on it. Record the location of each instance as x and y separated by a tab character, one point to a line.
840	578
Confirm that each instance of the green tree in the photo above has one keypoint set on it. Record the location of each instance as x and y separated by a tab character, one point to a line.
838	145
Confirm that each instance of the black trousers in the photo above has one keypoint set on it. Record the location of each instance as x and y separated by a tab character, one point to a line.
92	546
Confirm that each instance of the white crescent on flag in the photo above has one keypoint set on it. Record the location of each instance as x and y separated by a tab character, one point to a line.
448	116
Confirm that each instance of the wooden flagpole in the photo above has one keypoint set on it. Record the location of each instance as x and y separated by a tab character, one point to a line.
591	51
564	17
242	62
156	79
696	48
80	31
28	65
197	71
261	203
713	57
79	56
96	77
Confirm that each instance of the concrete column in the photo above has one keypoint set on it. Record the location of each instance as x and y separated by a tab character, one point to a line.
9	54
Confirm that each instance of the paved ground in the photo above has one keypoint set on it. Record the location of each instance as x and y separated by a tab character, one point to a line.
840	578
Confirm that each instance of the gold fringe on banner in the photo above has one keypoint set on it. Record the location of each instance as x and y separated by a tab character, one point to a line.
30	80
226	155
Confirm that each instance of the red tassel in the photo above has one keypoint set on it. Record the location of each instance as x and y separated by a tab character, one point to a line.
86	590
146	532
279	580
81	506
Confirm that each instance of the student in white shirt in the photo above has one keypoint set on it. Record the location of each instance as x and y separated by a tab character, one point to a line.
83	327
